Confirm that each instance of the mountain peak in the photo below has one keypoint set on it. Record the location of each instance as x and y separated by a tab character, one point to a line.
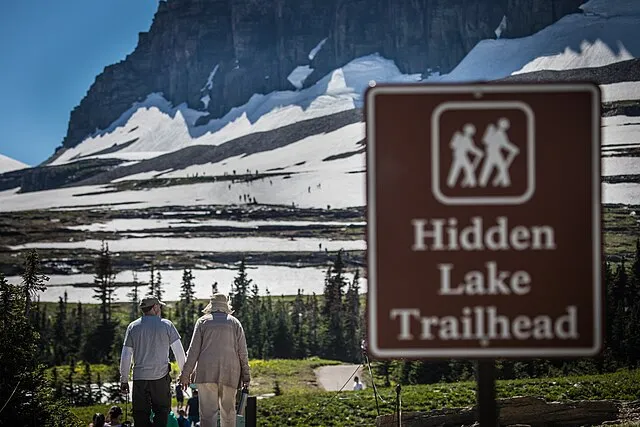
255	45
7	164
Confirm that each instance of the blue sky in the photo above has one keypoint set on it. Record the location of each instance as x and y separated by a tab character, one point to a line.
51	52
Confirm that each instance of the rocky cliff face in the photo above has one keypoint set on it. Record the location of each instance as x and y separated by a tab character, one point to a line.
254	44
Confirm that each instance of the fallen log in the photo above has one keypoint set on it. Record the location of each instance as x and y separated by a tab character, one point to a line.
525	410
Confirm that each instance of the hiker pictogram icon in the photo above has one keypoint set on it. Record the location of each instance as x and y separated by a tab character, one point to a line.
472	167
483	152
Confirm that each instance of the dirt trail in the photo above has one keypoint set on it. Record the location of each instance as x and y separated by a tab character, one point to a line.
332	378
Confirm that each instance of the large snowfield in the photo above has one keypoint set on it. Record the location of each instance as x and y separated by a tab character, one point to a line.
606	31
205	244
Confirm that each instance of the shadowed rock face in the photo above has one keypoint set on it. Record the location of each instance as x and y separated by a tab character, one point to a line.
256	44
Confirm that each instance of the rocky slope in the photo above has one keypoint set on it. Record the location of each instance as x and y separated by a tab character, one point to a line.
227	50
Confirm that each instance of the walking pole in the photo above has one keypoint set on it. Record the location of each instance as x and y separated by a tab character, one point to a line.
398	407
126	406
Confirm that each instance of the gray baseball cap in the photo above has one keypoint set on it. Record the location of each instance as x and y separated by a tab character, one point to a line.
150	302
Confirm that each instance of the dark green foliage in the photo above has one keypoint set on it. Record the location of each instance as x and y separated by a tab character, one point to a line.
25	397
99	345
299	329
152	282
104	283
186	308
32	280
269	326
60	339
159	292
332	312
239	295
256	331
352	323
359	409
282	339
313	315
134	297
113	391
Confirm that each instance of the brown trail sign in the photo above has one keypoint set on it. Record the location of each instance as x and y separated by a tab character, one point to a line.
484	220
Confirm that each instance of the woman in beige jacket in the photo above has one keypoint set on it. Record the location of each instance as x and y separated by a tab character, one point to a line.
219	349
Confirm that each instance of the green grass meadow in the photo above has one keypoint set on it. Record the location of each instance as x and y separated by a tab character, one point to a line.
302	403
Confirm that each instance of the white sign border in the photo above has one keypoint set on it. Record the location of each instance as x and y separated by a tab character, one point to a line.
493	352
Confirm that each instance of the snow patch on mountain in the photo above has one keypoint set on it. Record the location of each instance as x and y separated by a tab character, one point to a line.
610	8
316	49
7	164
606	32
299	75
501	27
622	91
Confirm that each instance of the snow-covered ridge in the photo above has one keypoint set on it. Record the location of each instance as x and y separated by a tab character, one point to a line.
7	164
606	32
609	8
156	127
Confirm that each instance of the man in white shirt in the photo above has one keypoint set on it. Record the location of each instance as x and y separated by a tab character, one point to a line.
357	385
147	341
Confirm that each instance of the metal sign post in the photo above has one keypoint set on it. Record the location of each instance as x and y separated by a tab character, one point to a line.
488	414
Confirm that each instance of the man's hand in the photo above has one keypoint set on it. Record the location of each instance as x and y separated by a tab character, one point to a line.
245	384
184	382
124	388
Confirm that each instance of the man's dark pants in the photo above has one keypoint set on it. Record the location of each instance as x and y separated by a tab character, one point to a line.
151	395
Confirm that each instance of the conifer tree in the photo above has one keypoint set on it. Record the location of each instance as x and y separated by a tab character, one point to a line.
85	396
255	333
77	332
314	324
152	281
55	381
187	306
619	294
70	387
240	293
214	288
104	283
267	350
282	339
113	391
99	386
633	323
383	368
134	298
298	330
23	386
32	280
60	347
352	328
610	311
332	311
159	292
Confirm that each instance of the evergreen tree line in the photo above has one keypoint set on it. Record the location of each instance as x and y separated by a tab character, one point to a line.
621	341
328	325
308	325
78	334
